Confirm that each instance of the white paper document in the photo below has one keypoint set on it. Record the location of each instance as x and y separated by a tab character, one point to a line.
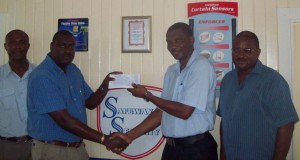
124	80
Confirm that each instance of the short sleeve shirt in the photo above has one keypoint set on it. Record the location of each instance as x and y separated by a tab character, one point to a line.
193	86
13	95
51	89
253	111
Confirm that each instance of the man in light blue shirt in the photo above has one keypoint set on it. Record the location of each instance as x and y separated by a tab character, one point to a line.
186	109
13	94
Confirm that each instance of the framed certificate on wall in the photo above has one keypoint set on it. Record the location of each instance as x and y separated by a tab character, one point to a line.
136	34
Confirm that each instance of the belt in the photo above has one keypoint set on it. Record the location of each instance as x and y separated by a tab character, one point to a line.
17	139
63	144
186	140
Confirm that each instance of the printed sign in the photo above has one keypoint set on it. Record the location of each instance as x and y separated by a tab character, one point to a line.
214	26
79	28
120	112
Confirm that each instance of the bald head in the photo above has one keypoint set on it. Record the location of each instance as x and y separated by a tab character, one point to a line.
249	36
60	34
185	28
14	32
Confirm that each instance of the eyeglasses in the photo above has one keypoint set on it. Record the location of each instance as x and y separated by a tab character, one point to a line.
247	51
64	46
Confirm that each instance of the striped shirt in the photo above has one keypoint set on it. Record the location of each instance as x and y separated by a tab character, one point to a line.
253	111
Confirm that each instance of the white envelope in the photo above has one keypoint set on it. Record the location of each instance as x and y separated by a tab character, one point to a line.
124	80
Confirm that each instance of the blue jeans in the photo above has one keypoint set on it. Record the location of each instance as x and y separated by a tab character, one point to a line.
204	149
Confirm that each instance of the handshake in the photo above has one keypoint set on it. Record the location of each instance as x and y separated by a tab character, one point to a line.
116	142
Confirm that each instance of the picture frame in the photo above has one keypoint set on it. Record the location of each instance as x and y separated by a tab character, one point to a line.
136	34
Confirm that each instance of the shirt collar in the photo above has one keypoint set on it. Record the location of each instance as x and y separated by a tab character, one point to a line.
8	70
53	65
258	67
191	60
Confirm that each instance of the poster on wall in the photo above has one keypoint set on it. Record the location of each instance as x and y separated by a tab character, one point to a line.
214	27
79	28
120	112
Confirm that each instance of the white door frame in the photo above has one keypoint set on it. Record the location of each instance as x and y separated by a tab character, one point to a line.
286	18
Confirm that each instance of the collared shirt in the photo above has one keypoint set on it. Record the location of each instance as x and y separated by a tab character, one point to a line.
51	89
13	109
193	86
253	111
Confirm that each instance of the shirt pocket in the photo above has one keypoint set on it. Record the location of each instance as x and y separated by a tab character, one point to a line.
7	99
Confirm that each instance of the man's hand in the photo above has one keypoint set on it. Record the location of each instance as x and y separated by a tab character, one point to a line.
97	97
137	90
106	80
116	144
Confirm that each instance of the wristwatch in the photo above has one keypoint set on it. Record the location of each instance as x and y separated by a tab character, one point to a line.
102	89
146	94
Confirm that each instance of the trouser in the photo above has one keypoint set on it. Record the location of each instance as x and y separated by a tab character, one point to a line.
203	149
44	151
10	150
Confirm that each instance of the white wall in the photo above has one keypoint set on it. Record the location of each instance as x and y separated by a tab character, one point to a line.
2	35
39	19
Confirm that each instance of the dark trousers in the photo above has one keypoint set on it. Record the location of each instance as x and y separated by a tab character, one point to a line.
204	149
15	150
